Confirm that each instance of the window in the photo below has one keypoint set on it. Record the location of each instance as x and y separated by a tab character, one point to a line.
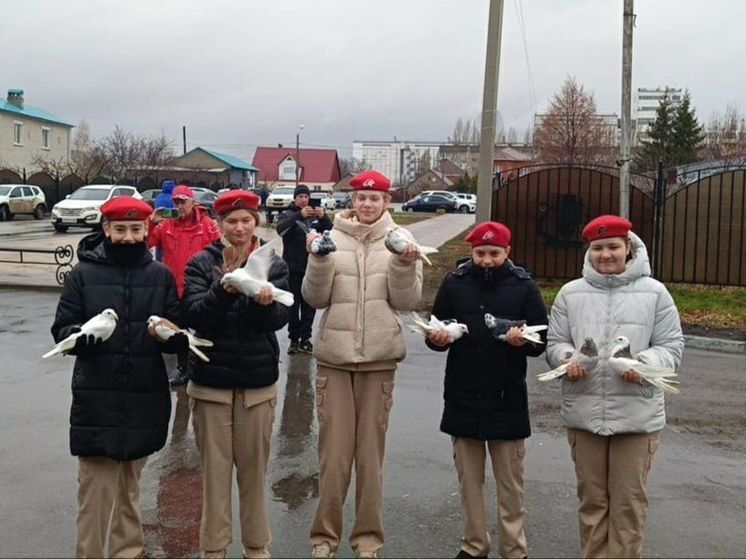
17	133
27	192
45	134
16	192
287	170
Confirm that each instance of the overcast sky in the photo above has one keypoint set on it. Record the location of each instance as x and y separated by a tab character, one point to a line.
242	73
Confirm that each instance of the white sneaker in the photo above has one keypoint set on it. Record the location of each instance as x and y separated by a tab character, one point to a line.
322	550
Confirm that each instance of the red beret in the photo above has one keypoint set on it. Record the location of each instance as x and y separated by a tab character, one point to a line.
489	233
126	208
236	200
182	191
606	226
370	180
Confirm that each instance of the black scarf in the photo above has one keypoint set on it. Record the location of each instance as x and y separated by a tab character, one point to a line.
125	254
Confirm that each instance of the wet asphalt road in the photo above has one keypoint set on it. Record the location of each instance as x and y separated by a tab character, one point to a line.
697	487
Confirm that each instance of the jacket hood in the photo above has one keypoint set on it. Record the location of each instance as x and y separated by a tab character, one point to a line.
637	267
346	222
91	248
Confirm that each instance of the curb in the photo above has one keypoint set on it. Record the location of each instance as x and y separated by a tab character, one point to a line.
715	344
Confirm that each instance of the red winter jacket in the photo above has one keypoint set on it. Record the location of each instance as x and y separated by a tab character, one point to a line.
180	239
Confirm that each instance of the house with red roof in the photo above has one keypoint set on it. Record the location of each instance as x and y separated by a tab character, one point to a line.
318	168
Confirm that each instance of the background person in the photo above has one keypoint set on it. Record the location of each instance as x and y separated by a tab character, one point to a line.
233	397
613	421
296	256
361	285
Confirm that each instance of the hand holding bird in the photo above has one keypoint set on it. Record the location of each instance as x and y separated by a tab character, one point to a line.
164	330
582	361
99	328
499	327
400	245
621	361
434	326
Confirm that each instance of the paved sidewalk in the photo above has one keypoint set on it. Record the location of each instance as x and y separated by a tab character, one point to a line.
437	231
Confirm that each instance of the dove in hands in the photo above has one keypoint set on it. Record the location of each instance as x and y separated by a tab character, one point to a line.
586	356
252	278
323	244
622	361
454	329
398	243
101	327
500	326
163	329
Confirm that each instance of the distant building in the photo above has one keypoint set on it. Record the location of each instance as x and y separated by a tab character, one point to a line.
400	160
29	135
505	160
645	104
222	168
319	168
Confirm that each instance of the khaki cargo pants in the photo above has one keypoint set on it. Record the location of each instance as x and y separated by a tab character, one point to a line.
109	503
470	456
353	410
227	435
612	473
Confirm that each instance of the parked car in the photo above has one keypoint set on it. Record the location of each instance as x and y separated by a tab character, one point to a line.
467	202
21	199
278	200
431	203
150	195
205	197
81	208
327	201
342	200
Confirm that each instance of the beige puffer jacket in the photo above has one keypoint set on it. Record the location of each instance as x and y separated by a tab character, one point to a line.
361	285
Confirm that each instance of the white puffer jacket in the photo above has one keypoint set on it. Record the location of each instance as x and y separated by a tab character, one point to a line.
361	285
602	307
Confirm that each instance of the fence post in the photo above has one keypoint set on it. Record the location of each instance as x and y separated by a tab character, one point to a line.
659	195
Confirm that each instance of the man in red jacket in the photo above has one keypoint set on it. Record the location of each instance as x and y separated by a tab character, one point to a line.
182	237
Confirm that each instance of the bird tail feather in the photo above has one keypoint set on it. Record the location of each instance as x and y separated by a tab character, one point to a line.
551	375
199	353
283	297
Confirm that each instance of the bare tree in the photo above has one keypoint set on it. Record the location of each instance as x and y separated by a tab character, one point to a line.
725	137
353	166
465	132
572	131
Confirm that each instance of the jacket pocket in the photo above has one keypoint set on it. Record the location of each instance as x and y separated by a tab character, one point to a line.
654	441
321	397
387	394
572	438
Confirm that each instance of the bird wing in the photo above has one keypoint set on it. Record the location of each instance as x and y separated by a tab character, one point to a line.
283	297
258	263
63	346
163	332
553	374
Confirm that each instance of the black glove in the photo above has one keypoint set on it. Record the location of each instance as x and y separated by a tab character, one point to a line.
178	343
84	344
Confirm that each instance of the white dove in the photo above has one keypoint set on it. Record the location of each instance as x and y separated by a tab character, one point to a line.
500	326
587	356
455	329
397	243
101	326
164	329
621	361
250	279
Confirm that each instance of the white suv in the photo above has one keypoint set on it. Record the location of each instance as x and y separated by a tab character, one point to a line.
278	200
467	201
81	208
21	199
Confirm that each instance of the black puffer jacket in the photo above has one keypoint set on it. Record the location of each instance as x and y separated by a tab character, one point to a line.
485	384
246	352
121	403
294	238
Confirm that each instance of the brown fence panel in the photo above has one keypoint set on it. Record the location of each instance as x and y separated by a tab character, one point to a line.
547	207
703	238
48	184
10	177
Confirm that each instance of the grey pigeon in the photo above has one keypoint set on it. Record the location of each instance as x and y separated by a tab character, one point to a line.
586	355
397	243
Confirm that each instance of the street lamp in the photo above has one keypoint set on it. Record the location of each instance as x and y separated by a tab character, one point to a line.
297	155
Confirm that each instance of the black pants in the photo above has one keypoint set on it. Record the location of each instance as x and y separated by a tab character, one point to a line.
301	313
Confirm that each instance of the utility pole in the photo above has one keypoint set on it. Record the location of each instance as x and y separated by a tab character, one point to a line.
297	155
624	147
183	132
489	110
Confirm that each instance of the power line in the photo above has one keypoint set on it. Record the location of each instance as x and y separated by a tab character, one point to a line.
531	85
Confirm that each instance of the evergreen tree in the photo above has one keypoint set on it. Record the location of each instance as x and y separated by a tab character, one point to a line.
660	142
687	133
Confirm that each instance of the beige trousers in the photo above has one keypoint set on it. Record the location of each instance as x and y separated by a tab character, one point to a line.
507	467
109	502
229	435
612	472
353	410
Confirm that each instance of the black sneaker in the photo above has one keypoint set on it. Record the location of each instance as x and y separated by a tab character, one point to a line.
306	346
463	554
293	348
